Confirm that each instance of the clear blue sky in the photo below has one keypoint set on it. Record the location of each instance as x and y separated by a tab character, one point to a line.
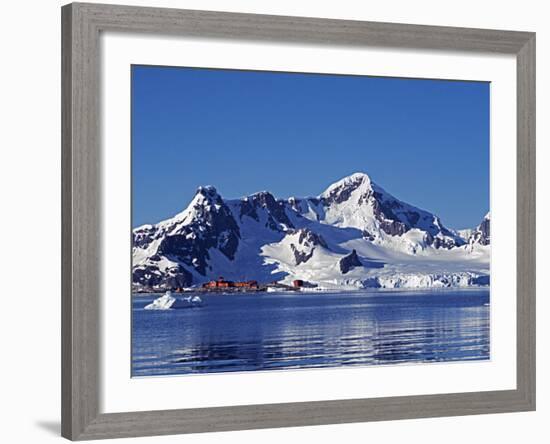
424	141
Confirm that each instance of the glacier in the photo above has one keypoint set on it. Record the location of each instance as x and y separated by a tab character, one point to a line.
353	235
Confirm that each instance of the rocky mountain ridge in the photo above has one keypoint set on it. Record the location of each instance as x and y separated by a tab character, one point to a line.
349	235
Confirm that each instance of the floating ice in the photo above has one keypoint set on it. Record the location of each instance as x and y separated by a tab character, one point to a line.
167	302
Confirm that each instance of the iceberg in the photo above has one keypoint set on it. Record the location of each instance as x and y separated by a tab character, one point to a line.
167	302
189	301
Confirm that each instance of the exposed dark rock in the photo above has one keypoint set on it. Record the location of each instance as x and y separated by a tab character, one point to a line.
179	279
389	222
275	208
295	204
412	217
271	224
307	241
343	192
308	237
441	242
301	256
212	226
485	232
144	236
393	227
247	209
152	277
482	234
437	235
350	261
368	236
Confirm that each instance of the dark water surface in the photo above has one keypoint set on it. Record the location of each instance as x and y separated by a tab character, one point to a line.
270	331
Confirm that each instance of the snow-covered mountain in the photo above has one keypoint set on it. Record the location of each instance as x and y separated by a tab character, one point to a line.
481	235
353	234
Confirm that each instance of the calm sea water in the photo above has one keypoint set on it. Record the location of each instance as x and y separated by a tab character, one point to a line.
273	331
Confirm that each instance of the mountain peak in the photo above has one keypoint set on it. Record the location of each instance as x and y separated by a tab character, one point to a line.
206	195
309	238
341	189
482	233
261	194
354	180
207	190
357	176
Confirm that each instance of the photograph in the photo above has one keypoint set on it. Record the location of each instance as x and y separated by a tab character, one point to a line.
265	222
286	221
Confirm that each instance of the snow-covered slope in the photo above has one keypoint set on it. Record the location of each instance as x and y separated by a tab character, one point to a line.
353	234
357	202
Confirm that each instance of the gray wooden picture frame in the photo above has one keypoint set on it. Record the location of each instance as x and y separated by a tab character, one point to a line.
81	232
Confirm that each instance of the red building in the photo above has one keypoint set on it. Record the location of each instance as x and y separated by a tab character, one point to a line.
247	284
298	283
222	283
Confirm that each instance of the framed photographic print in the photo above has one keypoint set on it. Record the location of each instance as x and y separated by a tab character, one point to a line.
279	221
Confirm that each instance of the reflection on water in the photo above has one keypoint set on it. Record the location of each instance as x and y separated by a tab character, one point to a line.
264	331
